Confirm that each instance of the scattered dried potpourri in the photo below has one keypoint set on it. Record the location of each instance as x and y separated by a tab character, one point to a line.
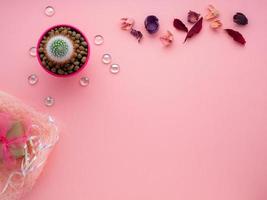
137	34
215	24
127	23
152	24
179	25
236	36
167	39
240	19
195	29
192	17
212	13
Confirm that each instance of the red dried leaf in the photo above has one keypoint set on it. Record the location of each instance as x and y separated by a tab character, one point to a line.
236	36
195	29
179	25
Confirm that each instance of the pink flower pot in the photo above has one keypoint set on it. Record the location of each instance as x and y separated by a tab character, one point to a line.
63	75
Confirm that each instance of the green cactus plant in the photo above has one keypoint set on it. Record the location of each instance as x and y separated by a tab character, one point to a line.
63	50
59	49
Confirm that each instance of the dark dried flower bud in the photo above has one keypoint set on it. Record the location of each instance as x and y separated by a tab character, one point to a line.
151	24
240	19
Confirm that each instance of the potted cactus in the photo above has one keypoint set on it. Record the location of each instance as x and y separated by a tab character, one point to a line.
63	50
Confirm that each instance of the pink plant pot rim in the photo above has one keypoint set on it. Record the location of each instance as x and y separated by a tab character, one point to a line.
73	28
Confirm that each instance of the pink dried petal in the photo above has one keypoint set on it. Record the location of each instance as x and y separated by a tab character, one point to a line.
167	38
215	24
127	23
212	13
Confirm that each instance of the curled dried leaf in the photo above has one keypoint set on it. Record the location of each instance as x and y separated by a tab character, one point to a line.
167	38
215	24
236	36
127	23
195	29
179	25
192	17
212	13
137	34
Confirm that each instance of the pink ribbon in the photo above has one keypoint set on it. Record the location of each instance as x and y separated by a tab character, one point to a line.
5	125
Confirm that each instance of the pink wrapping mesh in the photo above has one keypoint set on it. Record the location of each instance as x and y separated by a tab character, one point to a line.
43	135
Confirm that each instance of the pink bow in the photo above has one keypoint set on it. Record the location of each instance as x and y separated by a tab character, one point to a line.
7	142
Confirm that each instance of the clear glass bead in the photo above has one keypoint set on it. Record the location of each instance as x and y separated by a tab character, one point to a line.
114	68
49	101
33	79
84	81
99	39
106	58
32	51
49	11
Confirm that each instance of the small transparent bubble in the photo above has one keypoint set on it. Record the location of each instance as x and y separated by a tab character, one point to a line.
49	101
84	81
32	51
49	11
114	68
99	39
33	79
106	58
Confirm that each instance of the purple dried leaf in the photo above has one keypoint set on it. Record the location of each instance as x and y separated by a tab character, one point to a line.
137	34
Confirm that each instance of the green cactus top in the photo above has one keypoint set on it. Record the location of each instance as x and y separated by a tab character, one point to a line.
59	48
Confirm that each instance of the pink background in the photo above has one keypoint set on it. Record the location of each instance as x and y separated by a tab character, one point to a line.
188	122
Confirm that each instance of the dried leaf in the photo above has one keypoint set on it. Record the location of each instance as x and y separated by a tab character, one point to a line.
179	25
215	24
212	13
192	17
137	34
127	23
236	36
195	29
167	39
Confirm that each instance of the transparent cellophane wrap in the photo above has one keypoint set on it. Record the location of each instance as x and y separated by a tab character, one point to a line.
19	179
